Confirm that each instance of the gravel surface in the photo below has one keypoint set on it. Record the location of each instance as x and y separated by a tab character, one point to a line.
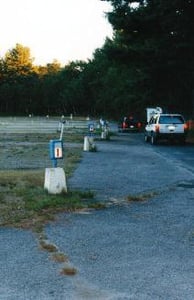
125	166
140	250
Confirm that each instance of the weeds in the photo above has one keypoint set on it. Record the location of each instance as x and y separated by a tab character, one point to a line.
141	197
47	246
59	257
70	271
23	200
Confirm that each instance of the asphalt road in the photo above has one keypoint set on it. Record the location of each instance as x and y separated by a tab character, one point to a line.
141	250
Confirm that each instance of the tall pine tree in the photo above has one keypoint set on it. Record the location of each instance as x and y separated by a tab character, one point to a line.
155	39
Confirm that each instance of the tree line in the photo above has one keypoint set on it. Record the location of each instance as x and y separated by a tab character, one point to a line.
148	62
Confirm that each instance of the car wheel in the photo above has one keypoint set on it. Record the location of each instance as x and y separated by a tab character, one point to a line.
146	138
153	140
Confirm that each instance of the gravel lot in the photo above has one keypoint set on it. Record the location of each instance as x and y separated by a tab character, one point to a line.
141	250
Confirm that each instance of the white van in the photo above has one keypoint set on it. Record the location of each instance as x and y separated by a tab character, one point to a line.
166	126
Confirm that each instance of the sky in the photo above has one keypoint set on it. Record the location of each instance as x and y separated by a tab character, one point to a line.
62	30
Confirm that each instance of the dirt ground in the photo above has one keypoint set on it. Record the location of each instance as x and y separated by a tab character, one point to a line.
21	151
30	150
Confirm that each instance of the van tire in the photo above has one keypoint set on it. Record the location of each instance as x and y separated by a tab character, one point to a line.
153	140
146	139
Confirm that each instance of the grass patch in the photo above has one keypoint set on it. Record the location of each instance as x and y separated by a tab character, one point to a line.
70	271
97	205
71	158
24	202
47	246
59	257
141	197
72	136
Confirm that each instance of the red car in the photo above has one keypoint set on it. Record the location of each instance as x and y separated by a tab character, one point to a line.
128	124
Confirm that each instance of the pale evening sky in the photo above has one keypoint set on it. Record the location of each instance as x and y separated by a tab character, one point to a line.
65	30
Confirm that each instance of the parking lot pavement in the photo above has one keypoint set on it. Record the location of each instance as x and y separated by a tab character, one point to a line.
124	166
26	272
138	250
133	251
141	250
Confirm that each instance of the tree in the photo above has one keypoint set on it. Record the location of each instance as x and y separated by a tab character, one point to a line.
18	61
156	40
17	77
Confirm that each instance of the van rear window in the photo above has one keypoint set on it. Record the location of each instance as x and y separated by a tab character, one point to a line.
171	120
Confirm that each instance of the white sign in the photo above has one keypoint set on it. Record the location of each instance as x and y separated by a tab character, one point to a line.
58	152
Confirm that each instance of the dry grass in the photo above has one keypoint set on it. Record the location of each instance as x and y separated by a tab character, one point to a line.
44	245
59	257
23	200
70	271
141	197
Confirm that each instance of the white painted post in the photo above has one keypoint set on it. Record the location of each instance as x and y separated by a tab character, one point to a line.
103	135
86	143
55	180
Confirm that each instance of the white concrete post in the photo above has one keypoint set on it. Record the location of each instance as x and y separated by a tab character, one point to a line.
86	143
55	180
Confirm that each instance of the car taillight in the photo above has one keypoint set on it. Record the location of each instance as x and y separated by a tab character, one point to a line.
186	127
157	128
124	125
138	124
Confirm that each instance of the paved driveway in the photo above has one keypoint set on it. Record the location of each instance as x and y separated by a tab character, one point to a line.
130	250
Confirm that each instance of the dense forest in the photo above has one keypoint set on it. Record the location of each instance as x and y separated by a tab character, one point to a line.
148	62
